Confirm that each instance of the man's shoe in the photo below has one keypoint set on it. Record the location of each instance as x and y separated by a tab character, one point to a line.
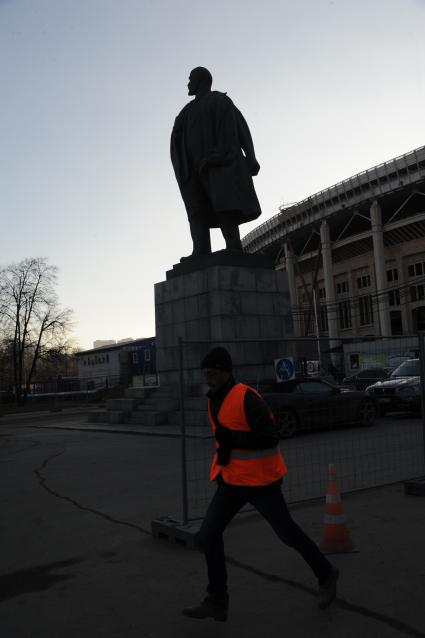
209	608
327	589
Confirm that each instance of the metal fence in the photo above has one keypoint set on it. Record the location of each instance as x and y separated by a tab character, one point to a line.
332	425
66	392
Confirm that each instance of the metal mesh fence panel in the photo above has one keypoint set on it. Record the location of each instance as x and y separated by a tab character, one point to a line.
354	403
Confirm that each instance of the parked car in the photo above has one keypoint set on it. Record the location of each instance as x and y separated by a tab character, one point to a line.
308	403
364	378
402	391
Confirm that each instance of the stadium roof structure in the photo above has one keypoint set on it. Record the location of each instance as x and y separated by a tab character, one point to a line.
399	187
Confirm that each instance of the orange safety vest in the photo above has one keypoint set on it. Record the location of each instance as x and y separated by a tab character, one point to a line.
246	467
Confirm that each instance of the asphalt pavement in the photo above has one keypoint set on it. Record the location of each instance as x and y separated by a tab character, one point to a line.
78	559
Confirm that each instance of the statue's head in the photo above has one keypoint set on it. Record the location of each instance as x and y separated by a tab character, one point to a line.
200	81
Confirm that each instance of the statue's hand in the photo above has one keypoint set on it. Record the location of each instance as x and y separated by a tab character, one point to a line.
254	167
202	165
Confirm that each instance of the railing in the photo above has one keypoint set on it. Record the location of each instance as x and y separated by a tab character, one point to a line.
371	443
90	389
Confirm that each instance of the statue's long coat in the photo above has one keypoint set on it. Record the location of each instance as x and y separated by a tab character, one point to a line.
211	128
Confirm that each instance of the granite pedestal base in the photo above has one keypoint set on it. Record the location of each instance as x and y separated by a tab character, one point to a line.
217	302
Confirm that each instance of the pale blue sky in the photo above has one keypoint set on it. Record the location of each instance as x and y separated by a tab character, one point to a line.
90	90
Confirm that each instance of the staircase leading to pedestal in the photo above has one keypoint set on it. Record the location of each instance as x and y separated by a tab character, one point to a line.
151	407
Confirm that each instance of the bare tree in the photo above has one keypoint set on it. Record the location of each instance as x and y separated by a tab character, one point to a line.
31	320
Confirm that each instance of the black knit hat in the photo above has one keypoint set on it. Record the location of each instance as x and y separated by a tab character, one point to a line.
217	358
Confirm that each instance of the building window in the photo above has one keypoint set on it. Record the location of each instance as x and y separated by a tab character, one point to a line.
417	293
396	322
415	270
135	357
147	355
366	311
322	293
394	297
344	315
363	281
392	274
341	287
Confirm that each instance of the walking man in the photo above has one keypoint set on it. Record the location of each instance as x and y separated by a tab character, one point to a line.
248	467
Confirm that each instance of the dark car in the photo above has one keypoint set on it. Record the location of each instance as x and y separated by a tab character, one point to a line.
309	403
364	378
402	391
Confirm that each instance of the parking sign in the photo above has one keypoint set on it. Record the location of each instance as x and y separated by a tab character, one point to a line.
284	369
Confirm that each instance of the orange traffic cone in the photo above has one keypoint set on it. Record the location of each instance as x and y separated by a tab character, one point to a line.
336	539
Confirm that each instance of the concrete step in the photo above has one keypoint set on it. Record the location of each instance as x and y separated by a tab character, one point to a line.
191	417
165	404
126	405
196	403
98	416
149	418
138	393
117	416
169	393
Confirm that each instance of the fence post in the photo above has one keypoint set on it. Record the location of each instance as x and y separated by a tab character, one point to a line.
421	339
183	436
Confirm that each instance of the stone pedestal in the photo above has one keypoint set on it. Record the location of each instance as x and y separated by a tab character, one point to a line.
233	300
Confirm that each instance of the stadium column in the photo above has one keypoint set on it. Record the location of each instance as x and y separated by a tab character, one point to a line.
325	238
290	270
380	271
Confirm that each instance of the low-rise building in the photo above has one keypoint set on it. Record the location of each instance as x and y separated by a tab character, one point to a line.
130	362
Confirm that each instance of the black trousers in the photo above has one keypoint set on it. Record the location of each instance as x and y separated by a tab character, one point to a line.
269	502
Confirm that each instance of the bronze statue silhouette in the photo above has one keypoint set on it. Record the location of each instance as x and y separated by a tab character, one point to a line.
214	160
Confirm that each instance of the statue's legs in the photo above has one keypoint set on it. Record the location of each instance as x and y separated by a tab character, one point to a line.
230	231
200	234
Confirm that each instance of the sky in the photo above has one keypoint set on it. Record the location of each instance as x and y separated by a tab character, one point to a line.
90	90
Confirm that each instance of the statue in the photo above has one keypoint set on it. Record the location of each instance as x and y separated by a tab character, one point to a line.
214	160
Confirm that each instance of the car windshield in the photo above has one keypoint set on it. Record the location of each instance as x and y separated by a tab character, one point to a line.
407	369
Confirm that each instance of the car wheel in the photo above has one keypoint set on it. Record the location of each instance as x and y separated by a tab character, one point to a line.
287	423
367	413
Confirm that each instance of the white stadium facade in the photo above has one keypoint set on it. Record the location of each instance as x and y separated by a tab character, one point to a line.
355	253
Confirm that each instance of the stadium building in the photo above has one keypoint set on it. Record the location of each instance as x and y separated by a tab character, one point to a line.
355	252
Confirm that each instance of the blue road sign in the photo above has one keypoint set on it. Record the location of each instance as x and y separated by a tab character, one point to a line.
284	369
